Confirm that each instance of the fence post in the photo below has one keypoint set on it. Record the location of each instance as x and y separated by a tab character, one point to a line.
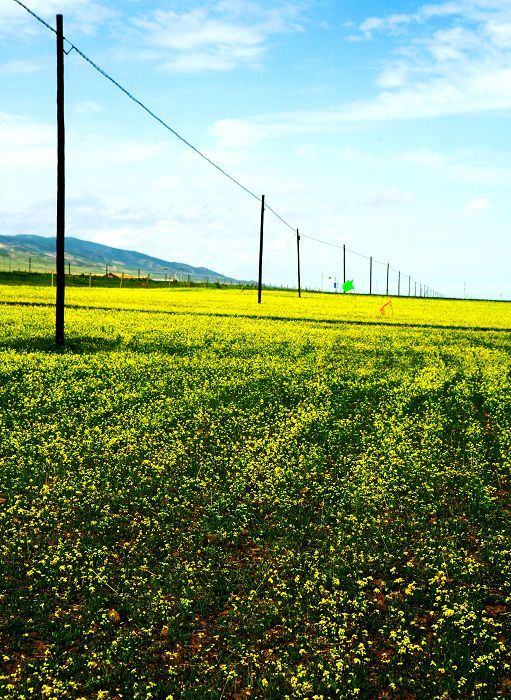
61	184
371	275
261	235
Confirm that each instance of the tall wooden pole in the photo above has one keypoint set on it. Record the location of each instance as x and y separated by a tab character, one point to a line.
298	251
370	275
260	283
399	284
344	264
61	185
387	288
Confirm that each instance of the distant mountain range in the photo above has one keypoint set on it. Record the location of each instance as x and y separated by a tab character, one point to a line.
85	256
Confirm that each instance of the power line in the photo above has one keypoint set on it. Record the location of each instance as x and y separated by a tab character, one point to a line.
39	19
311	238
359	255
280	250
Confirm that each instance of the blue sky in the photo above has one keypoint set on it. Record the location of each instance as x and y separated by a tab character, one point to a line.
382	126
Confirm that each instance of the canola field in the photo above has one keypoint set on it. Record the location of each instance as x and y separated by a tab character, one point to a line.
206	498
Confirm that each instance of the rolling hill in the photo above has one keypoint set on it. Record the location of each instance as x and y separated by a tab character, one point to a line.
24	252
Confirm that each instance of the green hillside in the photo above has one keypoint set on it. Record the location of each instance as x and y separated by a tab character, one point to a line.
37	254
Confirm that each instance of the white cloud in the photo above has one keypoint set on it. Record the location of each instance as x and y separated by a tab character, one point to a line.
234	133
423	157
87	108
390	23
459	167
26	143
21	67
391	197
219	59
478	204
459	63
217	35
83	15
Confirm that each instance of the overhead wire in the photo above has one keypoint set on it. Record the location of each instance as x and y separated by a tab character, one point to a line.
312	238
280	250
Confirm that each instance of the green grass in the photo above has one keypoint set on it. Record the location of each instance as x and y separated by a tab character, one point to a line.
215	499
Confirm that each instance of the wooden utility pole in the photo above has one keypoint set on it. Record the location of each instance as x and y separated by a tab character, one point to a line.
371	275
61	187
344	264
387	288
260	282
399	284
298	252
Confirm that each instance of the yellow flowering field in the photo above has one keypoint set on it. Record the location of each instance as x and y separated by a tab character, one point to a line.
203	497
312	306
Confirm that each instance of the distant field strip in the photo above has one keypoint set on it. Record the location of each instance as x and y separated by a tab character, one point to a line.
312	307
386	323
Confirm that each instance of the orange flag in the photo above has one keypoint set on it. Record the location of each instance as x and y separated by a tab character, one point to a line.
382	310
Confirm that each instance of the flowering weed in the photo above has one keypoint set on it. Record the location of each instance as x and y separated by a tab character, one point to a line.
201	501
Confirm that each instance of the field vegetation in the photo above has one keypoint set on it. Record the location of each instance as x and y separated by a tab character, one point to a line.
203	497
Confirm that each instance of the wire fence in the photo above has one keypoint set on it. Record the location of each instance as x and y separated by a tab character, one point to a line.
42	264
372	276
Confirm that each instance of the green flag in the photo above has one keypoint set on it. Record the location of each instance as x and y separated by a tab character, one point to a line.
347	286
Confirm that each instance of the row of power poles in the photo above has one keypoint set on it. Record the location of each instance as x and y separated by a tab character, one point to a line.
61	199
424	291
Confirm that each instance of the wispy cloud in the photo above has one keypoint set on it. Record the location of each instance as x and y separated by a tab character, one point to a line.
234	133
88	107
478	204
25	143
218	36
398	22
21	67
83	15
449	58
461	167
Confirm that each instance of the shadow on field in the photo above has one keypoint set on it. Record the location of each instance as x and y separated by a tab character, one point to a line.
76	344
